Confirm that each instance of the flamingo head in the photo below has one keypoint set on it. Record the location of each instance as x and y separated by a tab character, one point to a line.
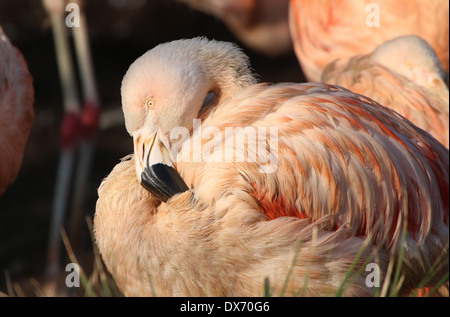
412	57
166	89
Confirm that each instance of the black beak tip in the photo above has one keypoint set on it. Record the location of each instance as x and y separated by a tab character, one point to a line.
162	181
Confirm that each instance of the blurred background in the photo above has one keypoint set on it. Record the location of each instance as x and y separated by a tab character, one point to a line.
119	32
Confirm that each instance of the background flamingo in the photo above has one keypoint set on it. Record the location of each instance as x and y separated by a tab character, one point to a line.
323	31
124	27
261	25
402	74
78	129
16	110
351	176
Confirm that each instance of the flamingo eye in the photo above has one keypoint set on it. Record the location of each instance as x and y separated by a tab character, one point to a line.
149	103
410	64
208	99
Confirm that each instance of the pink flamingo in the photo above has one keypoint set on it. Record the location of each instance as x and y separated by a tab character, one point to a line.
16	110
323	31
402	74
349	182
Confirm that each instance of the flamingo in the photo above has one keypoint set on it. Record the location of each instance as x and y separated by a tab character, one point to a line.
262	25
323	31
333	181
16	110
403	74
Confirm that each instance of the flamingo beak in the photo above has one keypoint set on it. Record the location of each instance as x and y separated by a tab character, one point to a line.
154	168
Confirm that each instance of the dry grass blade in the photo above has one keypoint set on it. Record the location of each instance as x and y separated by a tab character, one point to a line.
84	279
105	289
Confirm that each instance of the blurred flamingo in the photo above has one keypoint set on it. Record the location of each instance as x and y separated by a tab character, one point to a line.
16	110
78	127
403	74
348	182
323	31
261	25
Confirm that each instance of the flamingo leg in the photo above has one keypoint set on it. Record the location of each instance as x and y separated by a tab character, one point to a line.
89	121
69	131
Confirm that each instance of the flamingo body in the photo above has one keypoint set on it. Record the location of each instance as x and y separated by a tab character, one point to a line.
350	176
